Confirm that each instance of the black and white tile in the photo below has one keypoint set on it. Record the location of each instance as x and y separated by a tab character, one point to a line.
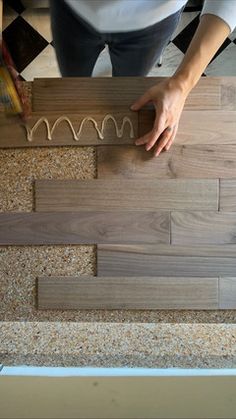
27	33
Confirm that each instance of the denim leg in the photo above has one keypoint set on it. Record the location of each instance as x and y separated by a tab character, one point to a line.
135	53
77	44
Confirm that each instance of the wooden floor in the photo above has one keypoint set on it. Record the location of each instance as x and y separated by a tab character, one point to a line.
165	226
202	242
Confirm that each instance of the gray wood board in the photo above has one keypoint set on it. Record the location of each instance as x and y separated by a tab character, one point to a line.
203	227
166	260
183	161
119	194
70	94
227	293
84	227
227	201
16	134
197	127
127	293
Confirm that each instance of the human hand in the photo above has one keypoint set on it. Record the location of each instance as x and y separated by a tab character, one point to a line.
168	98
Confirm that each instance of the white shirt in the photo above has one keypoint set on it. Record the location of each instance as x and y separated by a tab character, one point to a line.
131	15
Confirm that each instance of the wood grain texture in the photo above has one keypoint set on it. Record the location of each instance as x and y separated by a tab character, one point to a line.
127	293
166	260
228	93
203	227
68	94
119	194
227	197
198	127
198	161
14	133
227	293
84	227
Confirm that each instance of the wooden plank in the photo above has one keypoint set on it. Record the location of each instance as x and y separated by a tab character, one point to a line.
198	161
227	293
198	127
119	194
227	197
68	94
166	260
203	227
70	129
84	227
228	93
127	293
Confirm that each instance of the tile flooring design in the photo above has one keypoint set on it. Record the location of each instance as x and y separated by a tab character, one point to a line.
28	36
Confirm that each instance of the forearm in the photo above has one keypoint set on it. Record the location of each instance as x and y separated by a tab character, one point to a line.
210	35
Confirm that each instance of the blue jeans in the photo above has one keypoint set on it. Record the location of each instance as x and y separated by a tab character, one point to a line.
78	44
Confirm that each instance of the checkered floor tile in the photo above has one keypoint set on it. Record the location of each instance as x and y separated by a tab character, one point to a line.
27	34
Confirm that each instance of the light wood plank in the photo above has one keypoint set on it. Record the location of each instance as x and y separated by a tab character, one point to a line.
227	293
68	94
228	93
118	194
198	161
203	227
198	127
227	197
15	134
127	293
166	260
84	227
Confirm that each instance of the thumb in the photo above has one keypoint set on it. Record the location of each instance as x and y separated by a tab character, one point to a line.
141	101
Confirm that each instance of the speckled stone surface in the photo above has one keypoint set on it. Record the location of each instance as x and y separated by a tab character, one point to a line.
113	345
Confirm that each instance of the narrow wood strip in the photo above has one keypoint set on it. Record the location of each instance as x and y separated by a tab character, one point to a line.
127	293
84	227
68	94
203	227
116	194
227	293
197	161
228	93
198	127
58	129
166	260
227	194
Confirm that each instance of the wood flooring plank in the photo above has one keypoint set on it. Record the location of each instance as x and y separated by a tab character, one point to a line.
127	293
118	194
166	260
227	197
227	293
228	93
84	227
198	127
69	94
58	129
203	227
198	161
16	134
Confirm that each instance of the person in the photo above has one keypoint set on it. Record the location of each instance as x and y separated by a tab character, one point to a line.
136	32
